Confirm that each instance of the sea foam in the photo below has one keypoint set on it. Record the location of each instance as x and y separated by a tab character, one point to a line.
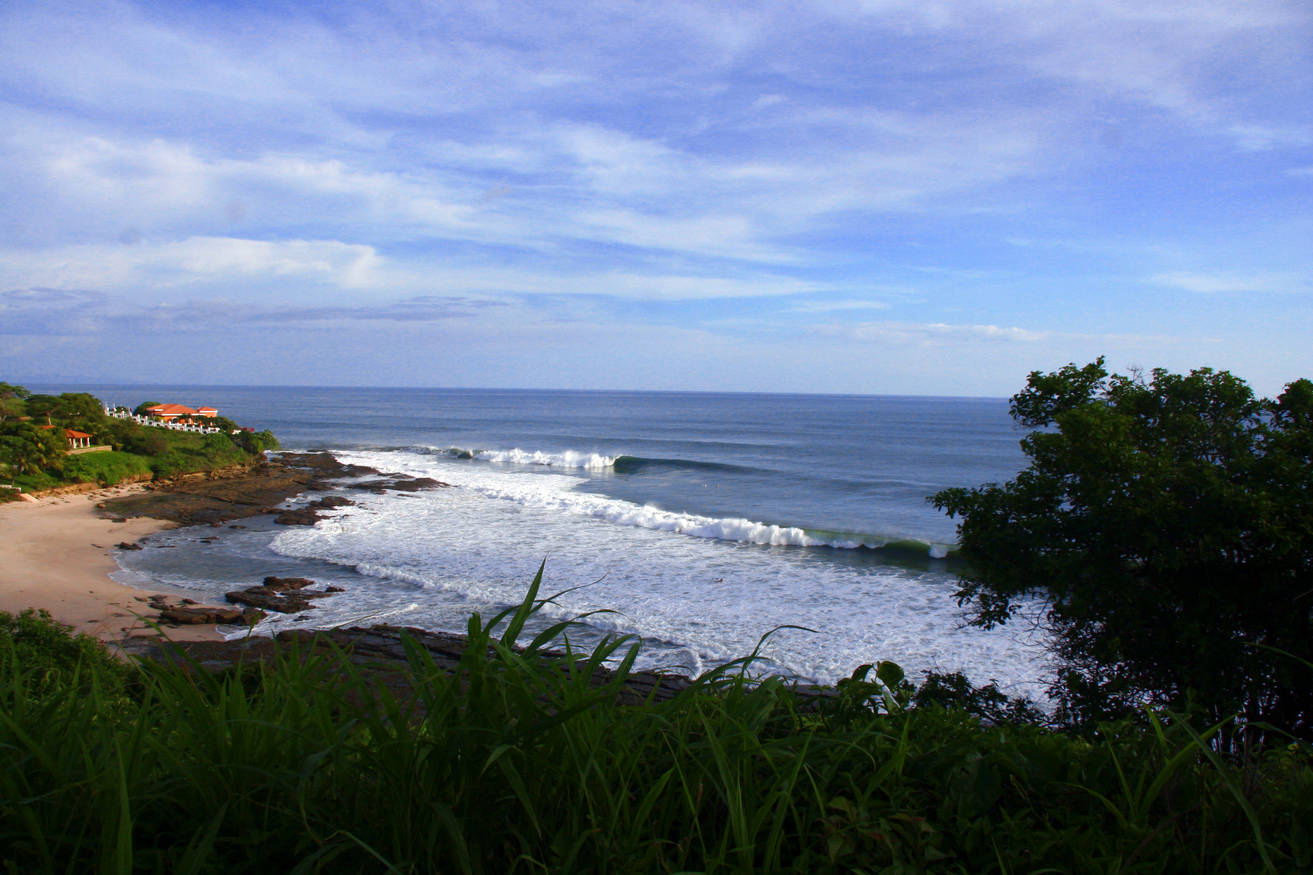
697	600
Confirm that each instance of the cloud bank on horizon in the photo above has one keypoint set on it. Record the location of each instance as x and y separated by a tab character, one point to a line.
871	196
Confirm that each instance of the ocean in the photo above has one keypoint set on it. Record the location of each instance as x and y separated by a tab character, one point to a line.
699	523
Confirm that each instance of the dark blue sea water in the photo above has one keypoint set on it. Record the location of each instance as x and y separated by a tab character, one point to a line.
702	521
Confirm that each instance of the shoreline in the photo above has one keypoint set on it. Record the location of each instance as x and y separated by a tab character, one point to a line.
57	554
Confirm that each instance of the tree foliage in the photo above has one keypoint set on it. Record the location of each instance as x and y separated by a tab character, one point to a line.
33	448
255	442
1168	522
25	448
11	401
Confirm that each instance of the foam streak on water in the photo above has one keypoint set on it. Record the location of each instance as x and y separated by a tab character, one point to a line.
696	601
702	520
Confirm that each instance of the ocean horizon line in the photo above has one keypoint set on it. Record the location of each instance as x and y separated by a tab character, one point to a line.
71	384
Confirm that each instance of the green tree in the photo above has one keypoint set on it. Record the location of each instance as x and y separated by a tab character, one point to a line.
11	401
25	448
42	407
80	408
255	442
1168	524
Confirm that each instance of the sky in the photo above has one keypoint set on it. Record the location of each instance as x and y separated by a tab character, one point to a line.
840	196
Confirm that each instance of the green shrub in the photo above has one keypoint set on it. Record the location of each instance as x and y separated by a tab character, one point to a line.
50	655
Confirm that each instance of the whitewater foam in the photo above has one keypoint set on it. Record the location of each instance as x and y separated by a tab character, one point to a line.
559	493
475	546
566	459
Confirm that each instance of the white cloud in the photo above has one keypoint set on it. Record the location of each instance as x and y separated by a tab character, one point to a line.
1222	282
927	333
837	306
309	269
196	259
672	152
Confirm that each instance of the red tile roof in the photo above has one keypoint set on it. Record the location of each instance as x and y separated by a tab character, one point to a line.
180	410
170	410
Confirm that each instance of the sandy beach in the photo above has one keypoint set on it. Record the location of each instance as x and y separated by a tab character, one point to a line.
57	554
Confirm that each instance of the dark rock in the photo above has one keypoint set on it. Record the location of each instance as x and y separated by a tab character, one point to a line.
302	516
222	496
204	614
283	584
285	595
400	483
416	484
272	600
334	589
309	514
124	545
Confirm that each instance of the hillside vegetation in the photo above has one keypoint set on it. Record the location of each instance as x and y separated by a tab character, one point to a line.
34	453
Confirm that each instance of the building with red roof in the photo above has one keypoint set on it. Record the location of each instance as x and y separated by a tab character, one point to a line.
76	439
174	411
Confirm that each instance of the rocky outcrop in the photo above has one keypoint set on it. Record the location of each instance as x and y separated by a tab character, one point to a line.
300	516
218	497
309	515
210	615
400	483
188	613
283	595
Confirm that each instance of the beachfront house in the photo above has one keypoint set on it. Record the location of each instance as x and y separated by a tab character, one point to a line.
177	417
181	413
176	411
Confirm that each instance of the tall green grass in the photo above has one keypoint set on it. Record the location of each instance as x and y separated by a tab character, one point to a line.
105	468
519	761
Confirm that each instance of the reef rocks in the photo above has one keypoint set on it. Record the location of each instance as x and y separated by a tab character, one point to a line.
309	515
189	613
399	483
284	595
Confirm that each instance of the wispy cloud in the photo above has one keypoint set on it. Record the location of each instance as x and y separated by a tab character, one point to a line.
644	166
814	307
1223	282
927	333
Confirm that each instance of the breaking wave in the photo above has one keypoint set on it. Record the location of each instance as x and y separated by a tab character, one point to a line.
558	493
569	459
586	461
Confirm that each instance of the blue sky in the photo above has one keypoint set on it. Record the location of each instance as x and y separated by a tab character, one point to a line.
869	196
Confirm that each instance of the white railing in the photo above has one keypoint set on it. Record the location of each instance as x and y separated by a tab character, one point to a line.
162	423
